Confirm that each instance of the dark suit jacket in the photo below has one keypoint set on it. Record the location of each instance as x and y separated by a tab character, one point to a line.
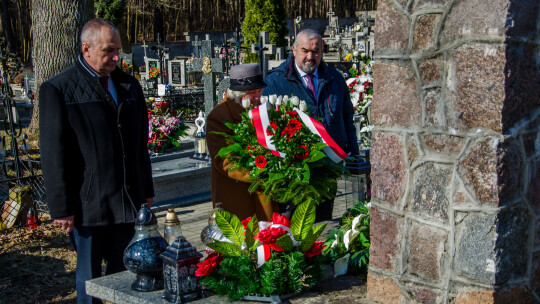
94	153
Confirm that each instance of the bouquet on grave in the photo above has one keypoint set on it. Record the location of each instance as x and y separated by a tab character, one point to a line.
264	258
347	247
287	154
164	127
360	82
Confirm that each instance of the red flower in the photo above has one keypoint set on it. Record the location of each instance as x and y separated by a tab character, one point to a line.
270	131
292	113
246	221
303	155
294	124
316	249
270	235
279	219
208	265
273	124
260	161
288	132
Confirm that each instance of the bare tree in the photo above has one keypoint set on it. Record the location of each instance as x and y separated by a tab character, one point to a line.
56	25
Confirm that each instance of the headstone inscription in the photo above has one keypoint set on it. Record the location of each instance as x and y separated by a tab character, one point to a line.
177	72
209	65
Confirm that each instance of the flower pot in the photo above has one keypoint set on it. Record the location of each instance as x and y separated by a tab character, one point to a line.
274	299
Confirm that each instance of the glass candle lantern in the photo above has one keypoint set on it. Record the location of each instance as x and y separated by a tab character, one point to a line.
142	255
172	226
179	265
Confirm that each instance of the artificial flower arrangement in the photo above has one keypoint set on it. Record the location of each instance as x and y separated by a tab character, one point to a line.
126	66
264	258
287	154
165	127
347	247
153	73
360	84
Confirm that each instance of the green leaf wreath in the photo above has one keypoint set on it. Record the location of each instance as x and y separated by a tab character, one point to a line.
239	267
305	171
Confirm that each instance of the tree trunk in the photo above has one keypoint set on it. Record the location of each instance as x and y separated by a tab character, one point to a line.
57	25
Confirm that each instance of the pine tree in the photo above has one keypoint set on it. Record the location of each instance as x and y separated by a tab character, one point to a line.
263	15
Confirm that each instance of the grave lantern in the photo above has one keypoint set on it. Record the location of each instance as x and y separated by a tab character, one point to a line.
142	255
172	226
200	139
179	265
212	231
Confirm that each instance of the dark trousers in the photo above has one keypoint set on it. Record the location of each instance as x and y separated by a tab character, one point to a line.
323	211
95	245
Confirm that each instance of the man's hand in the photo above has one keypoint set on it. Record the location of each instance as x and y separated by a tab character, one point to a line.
67	223
149	201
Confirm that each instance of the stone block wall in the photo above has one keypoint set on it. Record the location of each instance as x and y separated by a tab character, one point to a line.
456	152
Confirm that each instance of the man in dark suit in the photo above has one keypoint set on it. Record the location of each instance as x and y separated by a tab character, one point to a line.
93	141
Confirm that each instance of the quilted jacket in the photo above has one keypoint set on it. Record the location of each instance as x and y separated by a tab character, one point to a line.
94	153
333	104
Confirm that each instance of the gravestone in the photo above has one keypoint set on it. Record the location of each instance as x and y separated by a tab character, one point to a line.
209	65
196	45
176	72
223	85
126	60
264	48
29	83
150	63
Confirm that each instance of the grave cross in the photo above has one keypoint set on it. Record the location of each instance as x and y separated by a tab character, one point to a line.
144	46
209	65
264	49
196	44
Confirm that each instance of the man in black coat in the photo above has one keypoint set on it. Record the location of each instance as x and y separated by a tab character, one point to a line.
93	141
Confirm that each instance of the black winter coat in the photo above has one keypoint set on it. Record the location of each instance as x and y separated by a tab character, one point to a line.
94	153
333	104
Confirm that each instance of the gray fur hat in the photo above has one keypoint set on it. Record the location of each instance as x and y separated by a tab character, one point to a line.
246	77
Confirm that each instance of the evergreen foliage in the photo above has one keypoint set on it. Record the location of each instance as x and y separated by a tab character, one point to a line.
263	15
111	10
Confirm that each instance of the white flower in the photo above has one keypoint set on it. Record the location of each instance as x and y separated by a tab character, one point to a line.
334	243
278	101
354	66
355	53
295	101
250	114
264	99
246	103
363	54
303	105
272	99
341	265
349	236
366	129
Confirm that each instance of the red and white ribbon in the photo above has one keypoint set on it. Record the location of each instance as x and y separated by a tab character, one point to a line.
263	254
332	150
261	122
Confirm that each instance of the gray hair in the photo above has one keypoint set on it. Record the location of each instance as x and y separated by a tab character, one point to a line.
236	95
310	34
91	30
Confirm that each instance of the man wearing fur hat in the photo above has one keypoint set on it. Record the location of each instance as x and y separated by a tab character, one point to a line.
230	187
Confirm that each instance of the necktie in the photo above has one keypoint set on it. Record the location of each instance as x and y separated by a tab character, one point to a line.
310	85
104	82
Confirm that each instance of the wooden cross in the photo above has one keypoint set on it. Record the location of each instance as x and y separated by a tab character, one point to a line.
210	66
196	44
